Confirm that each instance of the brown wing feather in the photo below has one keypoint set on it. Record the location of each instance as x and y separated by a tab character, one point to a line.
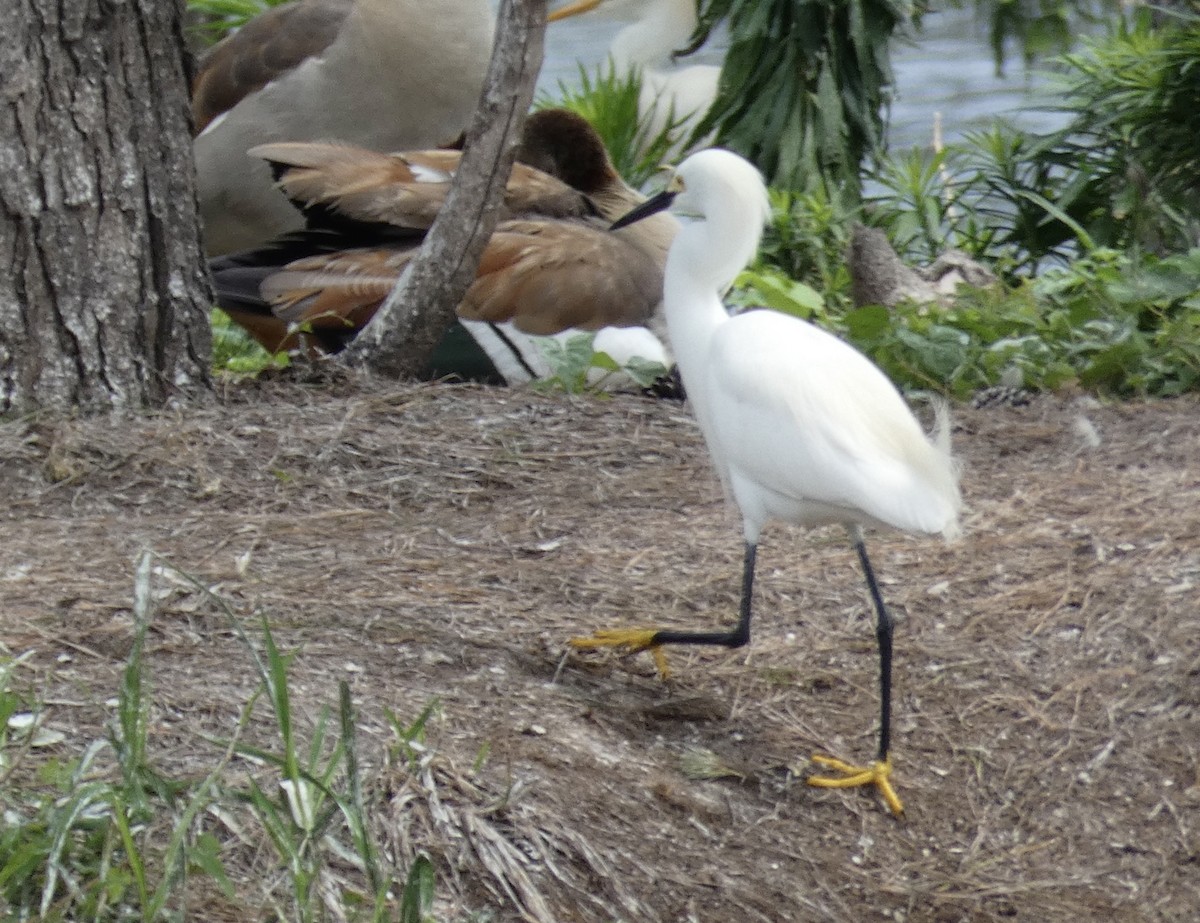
341	289
549	276
405	190
401	190
269	45
544	276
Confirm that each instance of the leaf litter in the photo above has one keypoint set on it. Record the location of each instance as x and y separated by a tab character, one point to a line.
443	543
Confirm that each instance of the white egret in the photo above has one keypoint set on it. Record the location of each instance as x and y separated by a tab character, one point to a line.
800	426
553	266
673	96
383	74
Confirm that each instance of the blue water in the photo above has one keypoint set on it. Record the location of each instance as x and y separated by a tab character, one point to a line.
946	69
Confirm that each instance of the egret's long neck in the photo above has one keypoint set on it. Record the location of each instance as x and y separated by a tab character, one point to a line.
665	26
706	257
692	289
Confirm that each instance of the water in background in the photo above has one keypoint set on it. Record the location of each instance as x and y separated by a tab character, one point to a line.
947	68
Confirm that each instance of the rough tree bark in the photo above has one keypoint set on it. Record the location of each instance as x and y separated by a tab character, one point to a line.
103	295
405	331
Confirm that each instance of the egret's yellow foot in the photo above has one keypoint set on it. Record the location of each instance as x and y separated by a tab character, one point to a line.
629	641
877	774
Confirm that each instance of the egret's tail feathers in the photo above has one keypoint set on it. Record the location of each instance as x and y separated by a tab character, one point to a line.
941	425
951	529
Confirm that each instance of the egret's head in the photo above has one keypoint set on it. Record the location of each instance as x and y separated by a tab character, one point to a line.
711	184
716	181
724	197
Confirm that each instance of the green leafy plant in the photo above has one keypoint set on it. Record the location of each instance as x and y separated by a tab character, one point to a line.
214	18
317	784
576	366
1119	175
806	238
235	352
769	288
1133	133
1105	322
119	841
999	195
97	847
804	85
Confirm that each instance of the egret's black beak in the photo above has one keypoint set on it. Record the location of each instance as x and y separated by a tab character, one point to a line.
651	206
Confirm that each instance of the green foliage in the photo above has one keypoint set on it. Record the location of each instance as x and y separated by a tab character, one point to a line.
576	367
1120	175
92	846
609	101
999	195
416	902
807	235
772	289
235	352
118	842
410	738
1093	229
214	18
1135	129
804	85
1038	27
1105	322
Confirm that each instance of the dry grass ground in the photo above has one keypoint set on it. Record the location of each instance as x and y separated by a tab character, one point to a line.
445	542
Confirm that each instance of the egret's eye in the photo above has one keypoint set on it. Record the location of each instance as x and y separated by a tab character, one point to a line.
676	184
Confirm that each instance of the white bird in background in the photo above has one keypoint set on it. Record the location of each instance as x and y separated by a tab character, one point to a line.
672	95
801	427
382	74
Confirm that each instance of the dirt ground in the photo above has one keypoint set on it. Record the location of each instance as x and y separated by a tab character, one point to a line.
444	542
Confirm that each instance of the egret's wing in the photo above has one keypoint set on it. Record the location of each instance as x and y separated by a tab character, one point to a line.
807	417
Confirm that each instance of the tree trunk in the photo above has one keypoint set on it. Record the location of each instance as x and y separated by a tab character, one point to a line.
403	334
103	296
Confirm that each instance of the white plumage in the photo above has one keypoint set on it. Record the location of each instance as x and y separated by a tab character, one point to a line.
801	426
803	429
672	95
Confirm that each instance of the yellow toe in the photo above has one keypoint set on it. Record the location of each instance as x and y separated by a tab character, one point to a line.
628	641
851	776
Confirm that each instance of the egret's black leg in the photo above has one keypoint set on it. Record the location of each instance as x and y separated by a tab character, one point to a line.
879	773
652	639
740	635
883	635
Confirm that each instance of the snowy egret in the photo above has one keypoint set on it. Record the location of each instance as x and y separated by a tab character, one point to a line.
672	96
553	267
384	74
800	426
